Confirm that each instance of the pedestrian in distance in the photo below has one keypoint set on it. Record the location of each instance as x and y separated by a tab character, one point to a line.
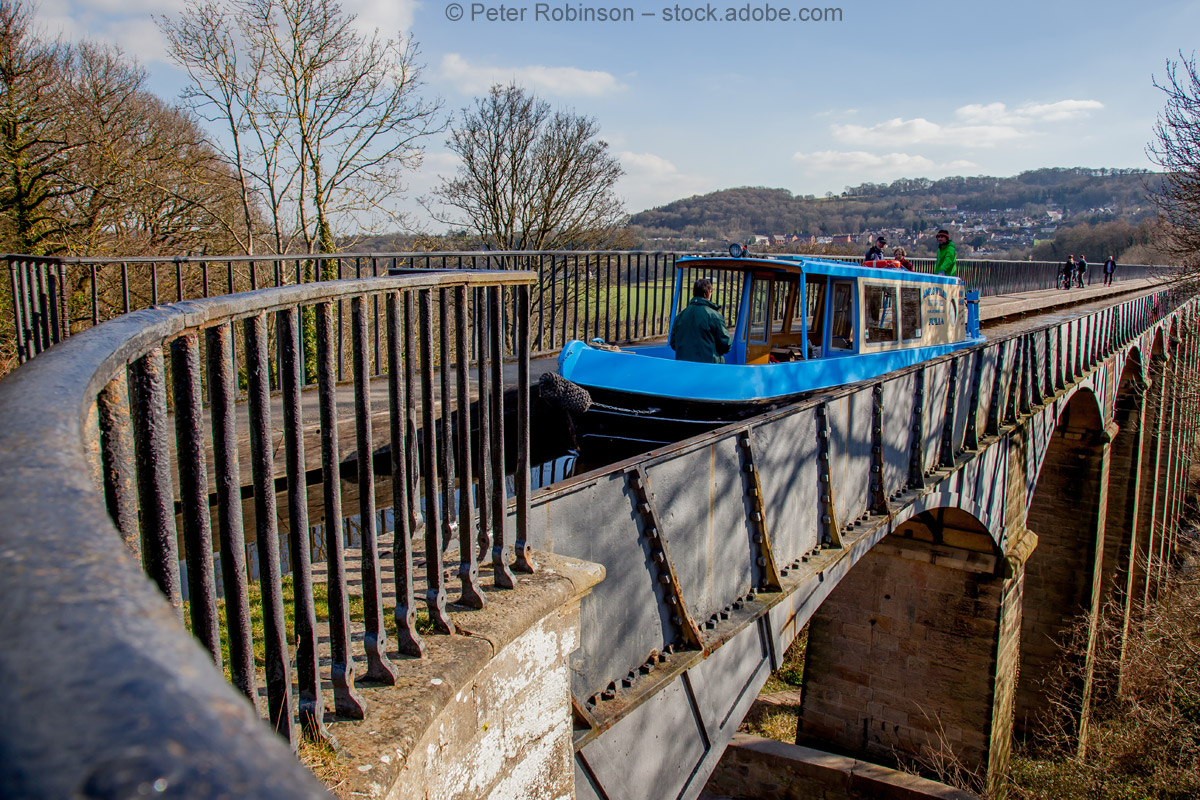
1067	276
1081	271
1110	266
876	251
699	333
947	257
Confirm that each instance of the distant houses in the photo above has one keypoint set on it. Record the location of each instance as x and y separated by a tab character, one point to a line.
995	230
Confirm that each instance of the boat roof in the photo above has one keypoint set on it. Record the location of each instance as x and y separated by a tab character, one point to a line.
802	265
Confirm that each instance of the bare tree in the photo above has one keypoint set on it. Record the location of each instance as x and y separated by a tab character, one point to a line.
319	120
140	179
203	42
530	178
1177	150
34	133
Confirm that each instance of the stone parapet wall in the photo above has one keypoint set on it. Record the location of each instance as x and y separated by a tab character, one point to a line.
487	713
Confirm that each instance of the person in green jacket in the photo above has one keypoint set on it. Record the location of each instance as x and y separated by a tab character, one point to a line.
947	258
699	332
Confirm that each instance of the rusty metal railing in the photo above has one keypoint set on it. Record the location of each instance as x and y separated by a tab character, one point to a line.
109	437
619	296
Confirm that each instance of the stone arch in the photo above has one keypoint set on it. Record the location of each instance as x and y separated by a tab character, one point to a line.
1082	400
1123	557
1067	513
906	653
1158	464
1134	353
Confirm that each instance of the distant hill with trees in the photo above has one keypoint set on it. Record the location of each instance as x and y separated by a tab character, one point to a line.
916	204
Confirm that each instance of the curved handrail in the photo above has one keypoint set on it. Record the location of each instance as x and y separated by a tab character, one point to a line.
107	694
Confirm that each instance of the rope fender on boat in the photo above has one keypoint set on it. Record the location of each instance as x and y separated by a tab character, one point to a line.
569	396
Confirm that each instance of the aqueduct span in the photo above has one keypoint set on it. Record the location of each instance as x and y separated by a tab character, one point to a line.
936	527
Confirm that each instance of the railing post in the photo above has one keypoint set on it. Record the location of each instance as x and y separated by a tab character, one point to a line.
193	492
148	394
222	395
346	700
276	666
312	705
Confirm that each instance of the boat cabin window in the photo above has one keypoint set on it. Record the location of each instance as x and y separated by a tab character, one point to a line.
879	313
814	293
910	313
760	298
779	306
841	331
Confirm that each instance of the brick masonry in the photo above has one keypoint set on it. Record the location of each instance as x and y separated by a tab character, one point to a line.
915	648
1066	512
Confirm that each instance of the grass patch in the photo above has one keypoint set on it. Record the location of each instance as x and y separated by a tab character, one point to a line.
790	674
774	721
322	760
320	608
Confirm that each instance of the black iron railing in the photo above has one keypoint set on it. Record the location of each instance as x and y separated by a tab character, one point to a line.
113	431
618	296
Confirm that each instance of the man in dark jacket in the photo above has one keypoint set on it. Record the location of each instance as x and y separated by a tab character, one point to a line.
1081	272
876	251
1068	272
1110	267
699	332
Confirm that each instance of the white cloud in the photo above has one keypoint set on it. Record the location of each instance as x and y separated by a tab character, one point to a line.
871	166
128	25
976	125
998	113
562	81
907	132
390	18
846	112
651	180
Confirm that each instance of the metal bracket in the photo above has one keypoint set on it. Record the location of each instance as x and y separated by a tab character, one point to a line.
971	436
830	532
1015	385
878	497
1061	370
770	579
916	471
1023	405
994	415
1037	369
946	456
661	556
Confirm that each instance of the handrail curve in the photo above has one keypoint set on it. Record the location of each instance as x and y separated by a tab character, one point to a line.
107	694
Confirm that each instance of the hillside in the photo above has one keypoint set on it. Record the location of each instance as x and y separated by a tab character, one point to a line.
1036	198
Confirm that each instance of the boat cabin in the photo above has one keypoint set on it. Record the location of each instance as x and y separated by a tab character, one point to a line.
791	308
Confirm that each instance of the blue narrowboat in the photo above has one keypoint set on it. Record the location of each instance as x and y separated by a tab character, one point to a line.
799	324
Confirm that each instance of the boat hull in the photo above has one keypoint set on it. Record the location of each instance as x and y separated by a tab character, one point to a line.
641	400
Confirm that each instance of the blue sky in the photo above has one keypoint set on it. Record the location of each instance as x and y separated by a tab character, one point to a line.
895	89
